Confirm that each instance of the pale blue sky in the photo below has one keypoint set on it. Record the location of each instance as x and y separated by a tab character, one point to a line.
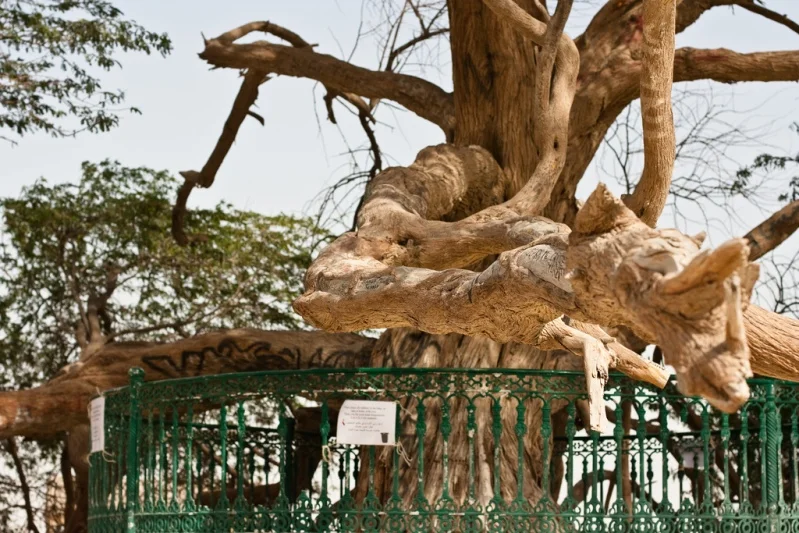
282	166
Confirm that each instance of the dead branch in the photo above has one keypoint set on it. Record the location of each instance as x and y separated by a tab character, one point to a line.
763	11
422	97
597	360
773	231
649	197
244	100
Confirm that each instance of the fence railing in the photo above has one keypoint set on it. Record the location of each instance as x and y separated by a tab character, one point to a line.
477	450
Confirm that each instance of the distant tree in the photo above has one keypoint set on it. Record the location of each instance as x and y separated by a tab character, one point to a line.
86	265
50	53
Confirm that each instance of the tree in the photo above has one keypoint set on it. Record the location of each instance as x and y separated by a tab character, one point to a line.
49	51
91	265
477	254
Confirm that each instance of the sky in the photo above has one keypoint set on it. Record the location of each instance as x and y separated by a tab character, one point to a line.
283	165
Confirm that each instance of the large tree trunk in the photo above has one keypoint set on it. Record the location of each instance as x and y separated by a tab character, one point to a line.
411	348
493	73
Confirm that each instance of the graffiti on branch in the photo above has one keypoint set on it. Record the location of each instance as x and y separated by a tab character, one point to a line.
228	356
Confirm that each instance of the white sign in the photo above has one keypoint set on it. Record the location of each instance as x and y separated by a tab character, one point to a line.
692	459
97	419
369	423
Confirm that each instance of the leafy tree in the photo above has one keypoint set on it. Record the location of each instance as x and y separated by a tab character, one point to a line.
88	264
94	262
771	164
50	54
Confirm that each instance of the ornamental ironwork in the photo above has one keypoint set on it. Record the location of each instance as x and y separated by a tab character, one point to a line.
476	450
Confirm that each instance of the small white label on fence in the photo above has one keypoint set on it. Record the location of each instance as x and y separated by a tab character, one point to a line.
369	423
97	419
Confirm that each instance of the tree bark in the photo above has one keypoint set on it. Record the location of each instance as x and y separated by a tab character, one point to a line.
493	66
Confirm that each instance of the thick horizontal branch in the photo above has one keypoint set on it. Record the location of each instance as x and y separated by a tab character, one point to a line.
614	271
61	403
773	343
420	96
512	300
726	66
773	231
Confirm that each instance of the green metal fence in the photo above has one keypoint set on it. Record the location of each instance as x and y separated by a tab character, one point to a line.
479	450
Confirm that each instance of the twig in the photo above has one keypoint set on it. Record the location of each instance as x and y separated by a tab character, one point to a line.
13	451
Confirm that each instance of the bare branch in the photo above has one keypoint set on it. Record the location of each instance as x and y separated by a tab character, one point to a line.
763	11
773	231
649	197
60	404
266	27
13	451
245	98
398	51
727	66
422	97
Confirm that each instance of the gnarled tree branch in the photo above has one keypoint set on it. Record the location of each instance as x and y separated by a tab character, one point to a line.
60	404
773	231
422	97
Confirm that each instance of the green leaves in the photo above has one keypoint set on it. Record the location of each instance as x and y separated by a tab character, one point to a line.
768	165
104	246
49	50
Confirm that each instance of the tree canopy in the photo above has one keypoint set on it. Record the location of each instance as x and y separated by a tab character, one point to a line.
51	52
93	262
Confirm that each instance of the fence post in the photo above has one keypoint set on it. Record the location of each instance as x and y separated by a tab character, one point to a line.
773	462
132	469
